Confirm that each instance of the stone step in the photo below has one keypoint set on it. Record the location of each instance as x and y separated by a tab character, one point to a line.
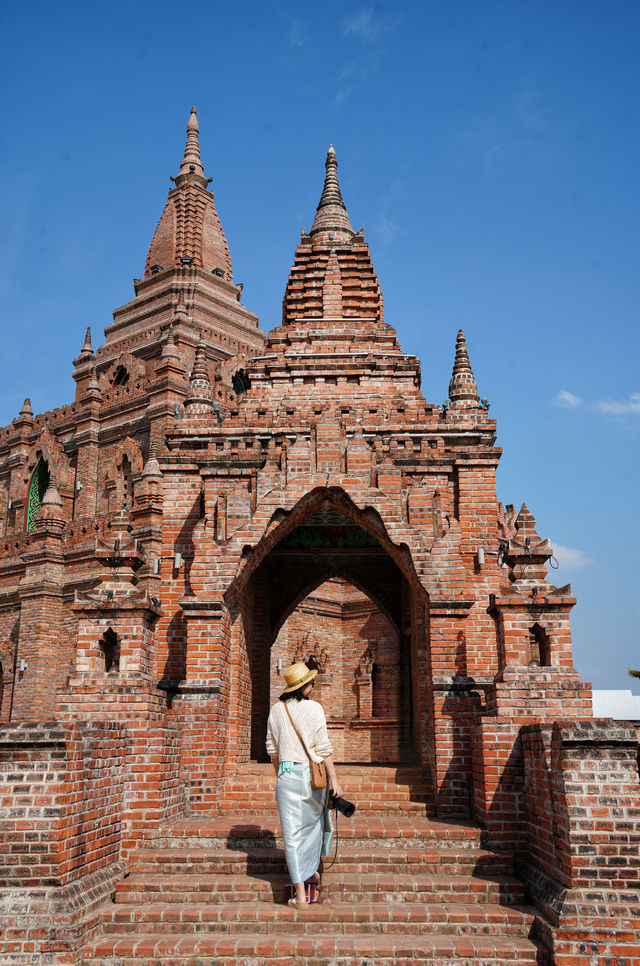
376	784
191	861
372	831
374	807
274	887
396	774
312	949
164	918
348	779
359	796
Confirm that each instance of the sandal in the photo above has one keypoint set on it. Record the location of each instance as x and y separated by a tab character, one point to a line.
312	885
294	902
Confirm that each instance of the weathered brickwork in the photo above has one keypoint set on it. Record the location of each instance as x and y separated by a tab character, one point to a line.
215	503
583	834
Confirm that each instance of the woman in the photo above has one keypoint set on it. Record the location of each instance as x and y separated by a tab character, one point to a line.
301	807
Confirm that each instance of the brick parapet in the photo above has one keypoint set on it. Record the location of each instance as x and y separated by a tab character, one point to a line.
154	791
27	935
61	800
582	816
518	697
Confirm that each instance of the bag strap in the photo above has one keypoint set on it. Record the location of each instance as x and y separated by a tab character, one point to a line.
298	733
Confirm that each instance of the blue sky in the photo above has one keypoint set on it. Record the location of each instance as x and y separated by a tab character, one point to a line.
491	153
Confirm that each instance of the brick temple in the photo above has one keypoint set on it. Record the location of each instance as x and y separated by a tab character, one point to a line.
216	503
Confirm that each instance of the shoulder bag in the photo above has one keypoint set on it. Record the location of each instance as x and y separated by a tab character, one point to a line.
318	770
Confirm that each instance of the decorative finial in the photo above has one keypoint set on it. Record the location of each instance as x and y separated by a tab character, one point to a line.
191	163
200	371
526	523
189	234
463	384
52	496
331	214
199	398
169	349
152	466
26	412
86	352
93	390
181	308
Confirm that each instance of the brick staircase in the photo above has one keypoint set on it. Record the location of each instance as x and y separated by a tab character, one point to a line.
406	888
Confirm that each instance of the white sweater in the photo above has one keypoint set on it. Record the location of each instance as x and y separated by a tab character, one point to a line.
310	721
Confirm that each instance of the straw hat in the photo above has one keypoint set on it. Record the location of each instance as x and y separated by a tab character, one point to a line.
297	675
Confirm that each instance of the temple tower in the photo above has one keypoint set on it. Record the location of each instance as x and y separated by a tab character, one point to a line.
187	290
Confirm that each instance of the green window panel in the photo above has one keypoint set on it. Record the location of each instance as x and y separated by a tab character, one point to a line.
37	490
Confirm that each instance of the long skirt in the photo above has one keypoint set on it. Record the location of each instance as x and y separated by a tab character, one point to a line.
306	823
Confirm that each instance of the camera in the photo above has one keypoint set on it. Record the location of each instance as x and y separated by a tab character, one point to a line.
343	806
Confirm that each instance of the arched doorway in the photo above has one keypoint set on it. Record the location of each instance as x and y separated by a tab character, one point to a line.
327	543
363	670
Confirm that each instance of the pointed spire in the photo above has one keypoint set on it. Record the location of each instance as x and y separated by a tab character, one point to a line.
189	233
26	412
191	164
24	420
50	521
331	194
152	466
527	555
50	517
463	384
526	523
331	215
180	313
332	235
200	371
86	352
199	398
169	349
93	387
52	495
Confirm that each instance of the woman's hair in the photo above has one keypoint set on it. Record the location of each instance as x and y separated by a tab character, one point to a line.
298	695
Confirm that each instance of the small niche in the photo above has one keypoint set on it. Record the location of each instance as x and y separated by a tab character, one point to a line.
110	650
121	377
539	647
240	382
127	481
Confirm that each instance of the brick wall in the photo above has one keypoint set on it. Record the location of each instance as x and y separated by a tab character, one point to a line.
582	820
62	796
519	696
154	786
